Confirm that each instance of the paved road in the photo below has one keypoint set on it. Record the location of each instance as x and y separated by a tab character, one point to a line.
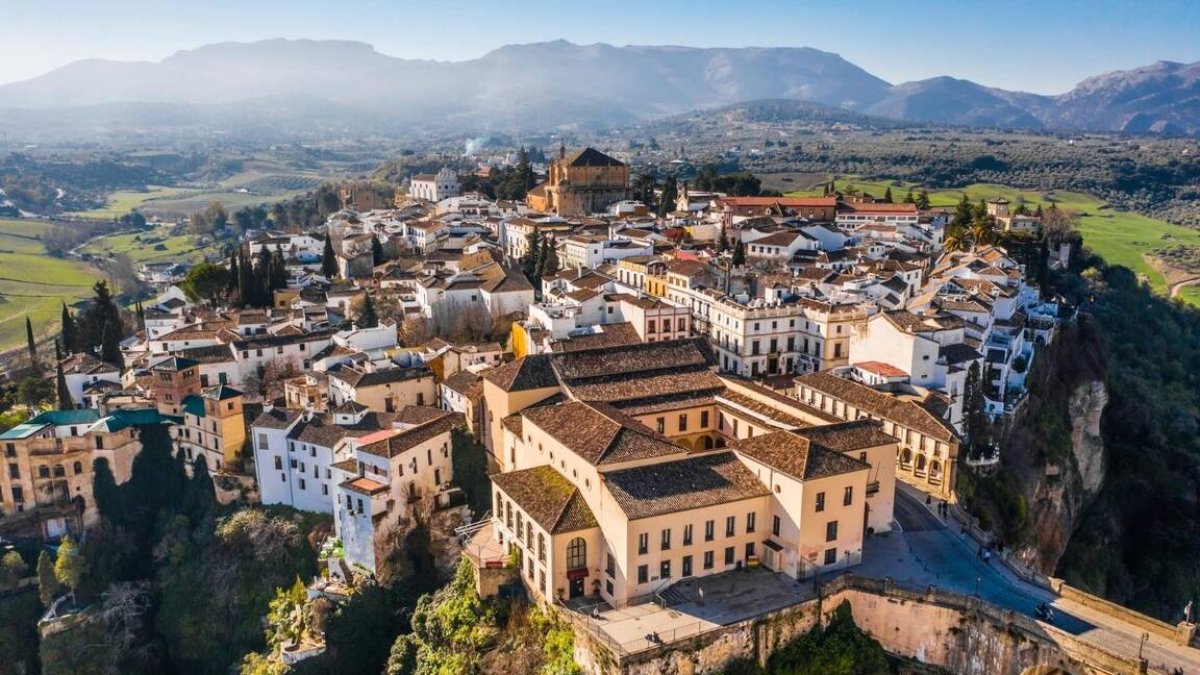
930	552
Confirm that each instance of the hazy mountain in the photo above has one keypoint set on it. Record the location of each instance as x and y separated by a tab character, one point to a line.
285	87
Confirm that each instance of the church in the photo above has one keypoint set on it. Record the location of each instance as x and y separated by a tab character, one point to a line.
583	182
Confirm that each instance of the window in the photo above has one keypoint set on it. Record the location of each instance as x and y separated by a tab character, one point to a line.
666	540
650	327
683	422
643	543
18	495
664	569
750	518
77	467
577	554
728	555
830	556
687	535
708	560
820	502
848	496
831	530
687	566
703	419
643	574
541	547
324	489
775	525
749	550
660	425
301	483
14	471
730	526
43	471
610	566
708	530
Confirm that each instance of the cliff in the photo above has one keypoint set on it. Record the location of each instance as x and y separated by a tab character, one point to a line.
1052	454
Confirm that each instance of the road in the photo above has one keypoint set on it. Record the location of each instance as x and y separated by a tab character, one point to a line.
928	551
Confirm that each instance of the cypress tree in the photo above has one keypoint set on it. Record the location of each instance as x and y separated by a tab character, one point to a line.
47	581
65	401
887	196
722	241
923	199
278	275
366	317
377	256
234	272
549	259
57	350
246	295
29	340
739	254
70	334
329	266
909	199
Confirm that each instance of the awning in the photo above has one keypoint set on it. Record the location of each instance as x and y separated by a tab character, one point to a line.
772	545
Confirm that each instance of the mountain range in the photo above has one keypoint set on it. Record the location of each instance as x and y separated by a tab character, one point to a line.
289	86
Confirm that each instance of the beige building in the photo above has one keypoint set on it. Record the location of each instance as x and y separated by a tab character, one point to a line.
382	390
586	181
214	426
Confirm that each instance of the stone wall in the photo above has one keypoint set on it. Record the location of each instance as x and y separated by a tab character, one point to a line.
959	633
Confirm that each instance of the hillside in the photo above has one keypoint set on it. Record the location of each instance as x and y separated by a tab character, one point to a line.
294	88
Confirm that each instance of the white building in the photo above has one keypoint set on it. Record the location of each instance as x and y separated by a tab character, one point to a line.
434	187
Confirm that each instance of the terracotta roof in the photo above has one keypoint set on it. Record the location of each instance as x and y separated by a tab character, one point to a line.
364	485
848	436
610	335
548	498
357	378
786	202
529	372
633	358
645	384
800	457
878	207
466	383
904	412
880	368
410	438
691	483
599	433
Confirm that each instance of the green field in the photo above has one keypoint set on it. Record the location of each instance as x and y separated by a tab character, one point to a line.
1120	237
121	203
248	188
141	246
33	284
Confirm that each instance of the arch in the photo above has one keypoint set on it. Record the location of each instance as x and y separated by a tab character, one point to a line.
43	471
920	462
935	468
708	443
906	456
576	554
60	471
77	468
720	442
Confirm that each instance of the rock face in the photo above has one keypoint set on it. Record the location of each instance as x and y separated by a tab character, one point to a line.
1066	488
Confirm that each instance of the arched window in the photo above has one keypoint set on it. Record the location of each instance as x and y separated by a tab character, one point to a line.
577	554
59	471
920	462
906	457
935	468
541	547
43	471
78	468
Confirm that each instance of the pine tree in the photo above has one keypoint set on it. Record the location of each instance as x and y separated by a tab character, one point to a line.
377	257
141	316
234	271
29	340
58	355
65	401
923	199
964	213
366	317
887	196
909	199
670	193
278	271
103	320
47	582
329	268
247	296
531	261
739	254
722	241
70	333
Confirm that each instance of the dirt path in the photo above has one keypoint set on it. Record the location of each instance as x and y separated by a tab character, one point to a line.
1177	286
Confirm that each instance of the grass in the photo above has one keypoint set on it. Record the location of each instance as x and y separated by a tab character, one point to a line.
1190	295
140	246
121	203
1120	237
33	284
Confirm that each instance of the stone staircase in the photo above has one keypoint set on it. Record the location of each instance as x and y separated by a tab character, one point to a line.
672	596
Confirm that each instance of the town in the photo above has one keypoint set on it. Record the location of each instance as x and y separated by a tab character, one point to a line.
682	409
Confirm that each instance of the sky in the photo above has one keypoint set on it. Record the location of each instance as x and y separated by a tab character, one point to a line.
1044	46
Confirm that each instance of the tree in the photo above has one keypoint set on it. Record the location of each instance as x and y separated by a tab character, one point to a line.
58	354
469	461
531	261
365	315
923	199
34	391
277	272
62	392
377	256
234	271
12	570
47	581
206	283
69	565
103	320
70	336
739	254
248	293
908	198
974	409
329	267
643	189
722	241
30	342
954	238
964	213
887	196
670	193
549	258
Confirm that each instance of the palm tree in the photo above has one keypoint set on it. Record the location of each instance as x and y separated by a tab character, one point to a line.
983	231
955	239
643	188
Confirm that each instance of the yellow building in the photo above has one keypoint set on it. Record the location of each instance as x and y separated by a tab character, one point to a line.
214	427
586	181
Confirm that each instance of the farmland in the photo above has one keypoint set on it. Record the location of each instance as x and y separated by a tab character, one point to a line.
248	188
33	284
1120	237
157	245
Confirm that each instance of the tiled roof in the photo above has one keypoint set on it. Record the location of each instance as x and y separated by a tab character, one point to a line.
642	385
277	418
610	335
880	368
357	378
691	483
848	436
798	456
600	434
410	438
550	499
904	412
641	357
523	374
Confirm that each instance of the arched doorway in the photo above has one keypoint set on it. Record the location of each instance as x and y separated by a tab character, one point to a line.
920	464
708	443
577	567
906	457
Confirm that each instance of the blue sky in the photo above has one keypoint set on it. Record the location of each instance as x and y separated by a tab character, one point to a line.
1042	46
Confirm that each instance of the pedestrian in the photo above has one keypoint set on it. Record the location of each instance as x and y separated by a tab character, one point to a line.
700	591
928	500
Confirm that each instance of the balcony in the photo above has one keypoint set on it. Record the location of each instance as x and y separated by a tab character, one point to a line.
872	488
